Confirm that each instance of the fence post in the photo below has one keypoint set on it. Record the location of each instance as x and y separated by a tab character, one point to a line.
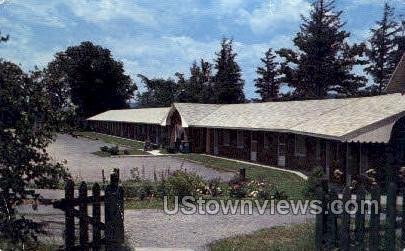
374	236
96	217
83	221
114	213
360	217
345	228
69	216
332	222
403	218
321	219
242	174
390	237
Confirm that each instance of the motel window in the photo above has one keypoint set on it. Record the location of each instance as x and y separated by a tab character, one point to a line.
240	139
267	140
300	147
227	138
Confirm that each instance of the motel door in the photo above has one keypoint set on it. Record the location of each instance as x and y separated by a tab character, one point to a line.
253	146
215	142
281	150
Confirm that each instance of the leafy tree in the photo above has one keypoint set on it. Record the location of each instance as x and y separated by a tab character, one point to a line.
88	77
159	92
324	60
268	83
227	82
383	50
26	128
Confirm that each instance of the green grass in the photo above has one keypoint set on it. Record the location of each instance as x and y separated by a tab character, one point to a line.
136	204
291	184
30	246
291	238
112	140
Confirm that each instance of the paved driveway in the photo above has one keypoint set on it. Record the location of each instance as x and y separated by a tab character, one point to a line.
83	165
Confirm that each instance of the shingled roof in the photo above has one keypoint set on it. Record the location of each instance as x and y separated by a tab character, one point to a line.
143	116
397	81
340	119
367	119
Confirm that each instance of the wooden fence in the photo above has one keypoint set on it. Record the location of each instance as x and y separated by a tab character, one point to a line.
108	235
383	228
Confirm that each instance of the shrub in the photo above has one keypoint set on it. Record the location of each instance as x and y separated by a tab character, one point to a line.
183	184
114	150
105	149
313	182
140	189
126	152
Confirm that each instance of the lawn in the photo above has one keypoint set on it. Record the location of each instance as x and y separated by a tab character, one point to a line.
112	140
134	147
291	238
289	183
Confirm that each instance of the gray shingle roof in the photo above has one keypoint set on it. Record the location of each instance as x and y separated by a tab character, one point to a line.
397	81
341	119
145	116
368	119
191	113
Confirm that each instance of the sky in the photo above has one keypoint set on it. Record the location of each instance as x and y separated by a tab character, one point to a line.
160	38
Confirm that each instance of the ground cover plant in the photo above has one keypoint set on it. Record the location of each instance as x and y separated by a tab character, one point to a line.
142	193
292	185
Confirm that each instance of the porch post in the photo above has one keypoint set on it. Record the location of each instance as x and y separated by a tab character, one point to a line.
348	166
327	159
208	141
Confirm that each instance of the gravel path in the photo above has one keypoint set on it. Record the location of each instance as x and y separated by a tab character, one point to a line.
152	228
83	165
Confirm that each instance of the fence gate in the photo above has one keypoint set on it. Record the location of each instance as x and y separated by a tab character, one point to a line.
108	235
358	232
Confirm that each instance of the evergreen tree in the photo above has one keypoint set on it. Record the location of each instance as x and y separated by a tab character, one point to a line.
324	61
227	82
268	83
399	43
383	50
193	90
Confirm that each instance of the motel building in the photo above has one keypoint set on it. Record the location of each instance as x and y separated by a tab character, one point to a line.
351	134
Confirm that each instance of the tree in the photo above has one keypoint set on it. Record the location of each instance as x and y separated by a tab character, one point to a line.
227	82
383	50
268	83
324	60
196	89
399	43
90	79
159	92
26	128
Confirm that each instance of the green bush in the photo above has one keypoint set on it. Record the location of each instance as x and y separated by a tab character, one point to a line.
140	189
114	150
105	149
182	184
313	182
126	152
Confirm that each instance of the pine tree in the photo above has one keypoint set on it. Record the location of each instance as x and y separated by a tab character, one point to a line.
196	88
227	83
324	61
268	82
383	50
399	43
